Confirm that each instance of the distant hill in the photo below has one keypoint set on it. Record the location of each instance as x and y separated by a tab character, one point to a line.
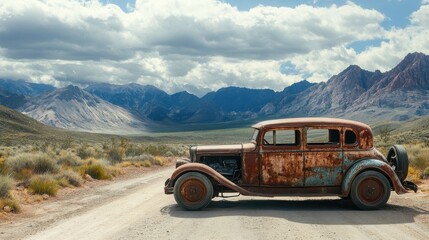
15	122
75	109
17	128
226	104
22	87
11	100
399	94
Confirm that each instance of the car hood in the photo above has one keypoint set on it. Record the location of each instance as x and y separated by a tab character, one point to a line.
231	148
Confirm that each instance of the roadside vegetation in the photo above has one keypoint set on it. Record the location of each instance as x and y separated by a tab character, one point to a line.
41	170
41	167
417	146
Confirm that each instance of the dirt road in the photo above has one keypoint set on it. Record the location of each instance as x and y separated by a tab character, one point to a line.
138	209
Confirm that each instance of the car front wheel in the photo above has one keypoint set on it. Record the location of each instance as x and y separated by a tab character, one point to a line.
370	190
193	191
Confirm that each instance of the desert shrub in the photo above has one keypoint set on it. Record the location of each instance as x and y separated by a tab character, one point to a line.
169	154
12	203
134	150
414	174
85	151
3	168
97	171
22	165
166	149
68	159
146	163
4	152
44	163
426	172
117	154
62	182
117	150
156	150
114	171
142	157
73	178
43	184
6	184
159	161
67	143
418	155
146	159
20	161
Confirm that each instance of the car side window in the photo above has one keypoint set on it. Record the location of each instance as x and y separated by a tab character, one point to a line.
282	138
350	137
323	136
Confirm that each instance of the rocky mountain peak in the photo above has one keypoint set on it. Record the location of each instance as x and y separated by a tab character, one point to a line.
412	73
71	92
297	87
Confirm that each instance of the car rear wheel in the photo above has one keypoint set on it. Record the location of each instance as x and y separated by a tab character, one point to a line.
398	158
193	191
370	190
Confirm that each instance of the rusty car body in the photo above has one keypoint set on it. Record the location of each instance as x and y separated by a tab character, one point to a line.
295	156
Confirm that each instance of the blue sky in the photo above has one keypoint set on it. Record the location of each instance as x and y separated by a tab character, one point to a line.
203	45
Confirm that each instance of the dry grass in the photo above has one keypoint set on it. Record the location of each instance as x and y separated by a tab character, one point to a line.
146	160
70	177
418	155
6	184
146	163
45	167
12	203
43	184
21	165
69	159
414	174
44	163
97	171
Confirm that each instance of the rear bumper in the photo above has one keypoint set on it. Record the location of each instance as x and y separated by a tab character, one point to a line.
168	189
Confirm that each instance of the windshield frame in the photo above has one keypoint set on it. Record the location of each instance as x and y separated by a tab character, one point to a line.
255	136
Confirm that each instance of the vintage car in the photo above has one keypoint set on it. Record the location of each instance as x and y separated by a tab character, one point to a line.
294	157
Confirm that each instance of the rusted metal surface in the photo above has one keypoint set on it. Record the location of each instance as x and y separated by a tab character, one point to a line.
250	169
370	190
193	190
282	168
303	168
226	149
323	168
373	164
204	169
180	162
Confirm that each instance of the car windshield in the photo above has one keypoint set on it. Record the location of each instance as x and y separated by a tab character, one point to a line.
255	135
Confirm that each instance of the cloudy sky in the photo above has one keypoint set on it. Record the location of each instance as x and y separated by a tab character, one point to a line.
203	45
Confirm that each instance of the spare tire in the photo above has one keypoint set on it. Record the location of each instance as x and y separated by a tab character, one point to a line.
398	158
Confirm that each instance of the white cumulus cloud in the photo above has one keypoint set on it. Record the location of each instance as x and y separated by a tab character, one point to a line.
193	45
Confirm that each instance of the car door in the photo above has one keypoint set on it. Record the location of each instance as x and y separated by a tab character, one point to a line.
323	156
281	158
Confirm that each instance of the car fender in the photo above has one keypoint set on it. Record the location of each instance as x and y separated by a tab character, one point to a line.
208	171
373	164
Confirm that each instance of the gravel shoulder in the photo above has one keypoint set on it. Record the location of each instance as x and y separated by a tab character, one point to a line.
137	208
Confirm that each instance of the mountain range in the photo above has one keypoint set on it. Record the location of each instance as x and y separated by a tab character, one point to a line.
398	94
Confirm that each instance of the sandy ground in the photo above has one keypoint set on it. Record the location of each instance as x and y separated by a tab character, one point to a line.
137	208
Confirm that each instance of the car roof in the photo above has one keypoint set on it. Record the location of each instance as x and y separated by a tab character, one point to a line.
309	121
